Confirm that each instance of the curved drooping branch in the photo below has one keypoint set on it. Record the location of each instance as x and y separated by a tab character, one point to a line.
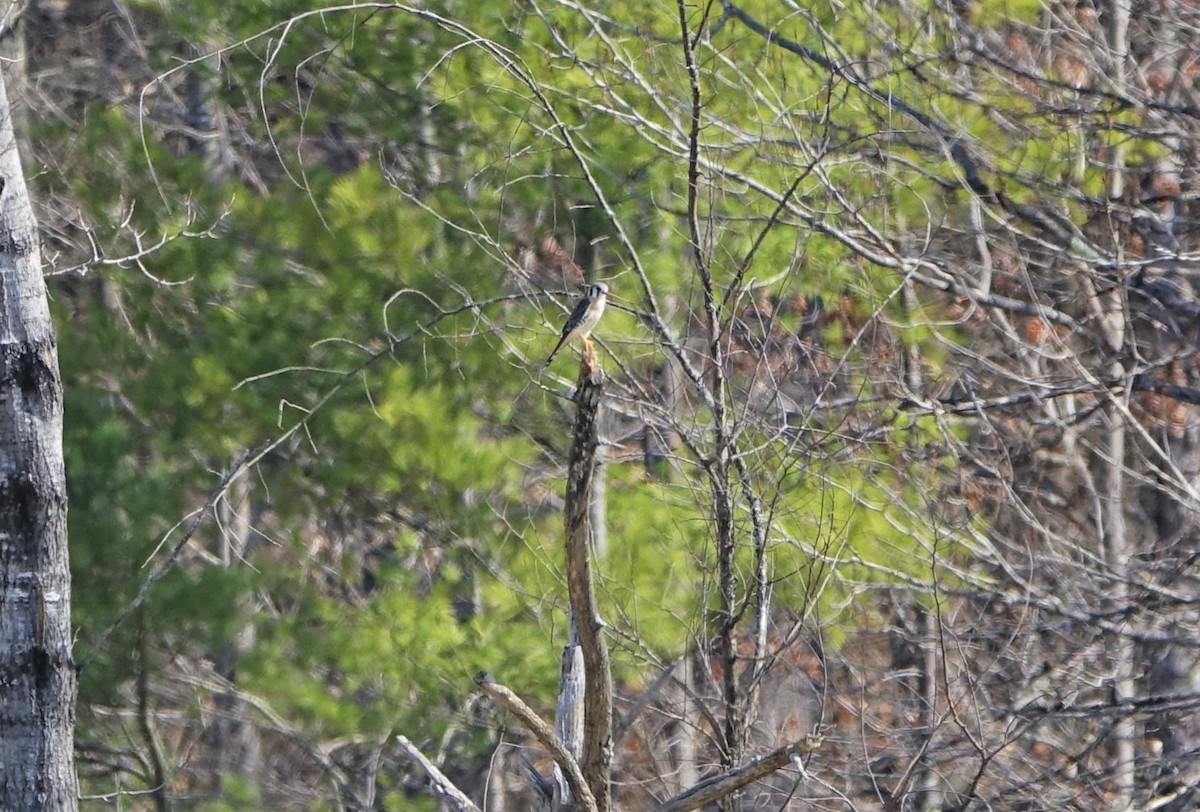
545	735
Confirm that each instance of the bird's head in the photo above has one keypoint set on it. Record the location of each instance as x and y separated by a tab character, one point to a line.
598	289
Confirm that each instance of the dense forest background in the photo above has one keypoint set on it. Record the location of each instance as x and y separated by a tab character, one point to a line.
899	435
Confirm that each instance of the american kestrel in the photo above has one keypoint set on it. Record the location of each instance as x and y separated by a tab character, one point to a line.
583	318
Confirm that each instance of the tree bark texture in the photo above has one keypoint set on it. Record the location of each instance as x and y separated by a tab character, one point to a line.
597	704
37	674
568	719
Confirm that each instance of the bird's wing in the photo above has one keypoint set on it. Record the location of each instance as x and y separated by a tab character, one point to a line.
557	347
572	322
577	314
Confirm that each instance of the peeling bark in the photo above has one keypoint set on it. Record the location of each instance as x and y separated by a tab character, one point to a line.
37	672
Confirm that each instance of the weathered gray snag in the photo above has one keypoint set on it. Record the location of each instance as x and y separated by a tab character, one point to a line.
37	674
568	716
597	702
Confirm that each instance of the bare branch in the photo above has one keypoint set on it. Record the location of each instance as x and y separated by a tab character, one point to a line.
544	733
442	785
720	786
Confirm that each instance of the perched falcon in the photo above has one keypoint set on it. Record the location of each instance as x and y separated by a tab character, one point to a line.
583	318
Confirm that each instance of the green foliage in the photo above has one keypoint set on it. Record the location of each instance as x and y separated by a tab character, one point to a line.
994	13
237	795
651	581
323	298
